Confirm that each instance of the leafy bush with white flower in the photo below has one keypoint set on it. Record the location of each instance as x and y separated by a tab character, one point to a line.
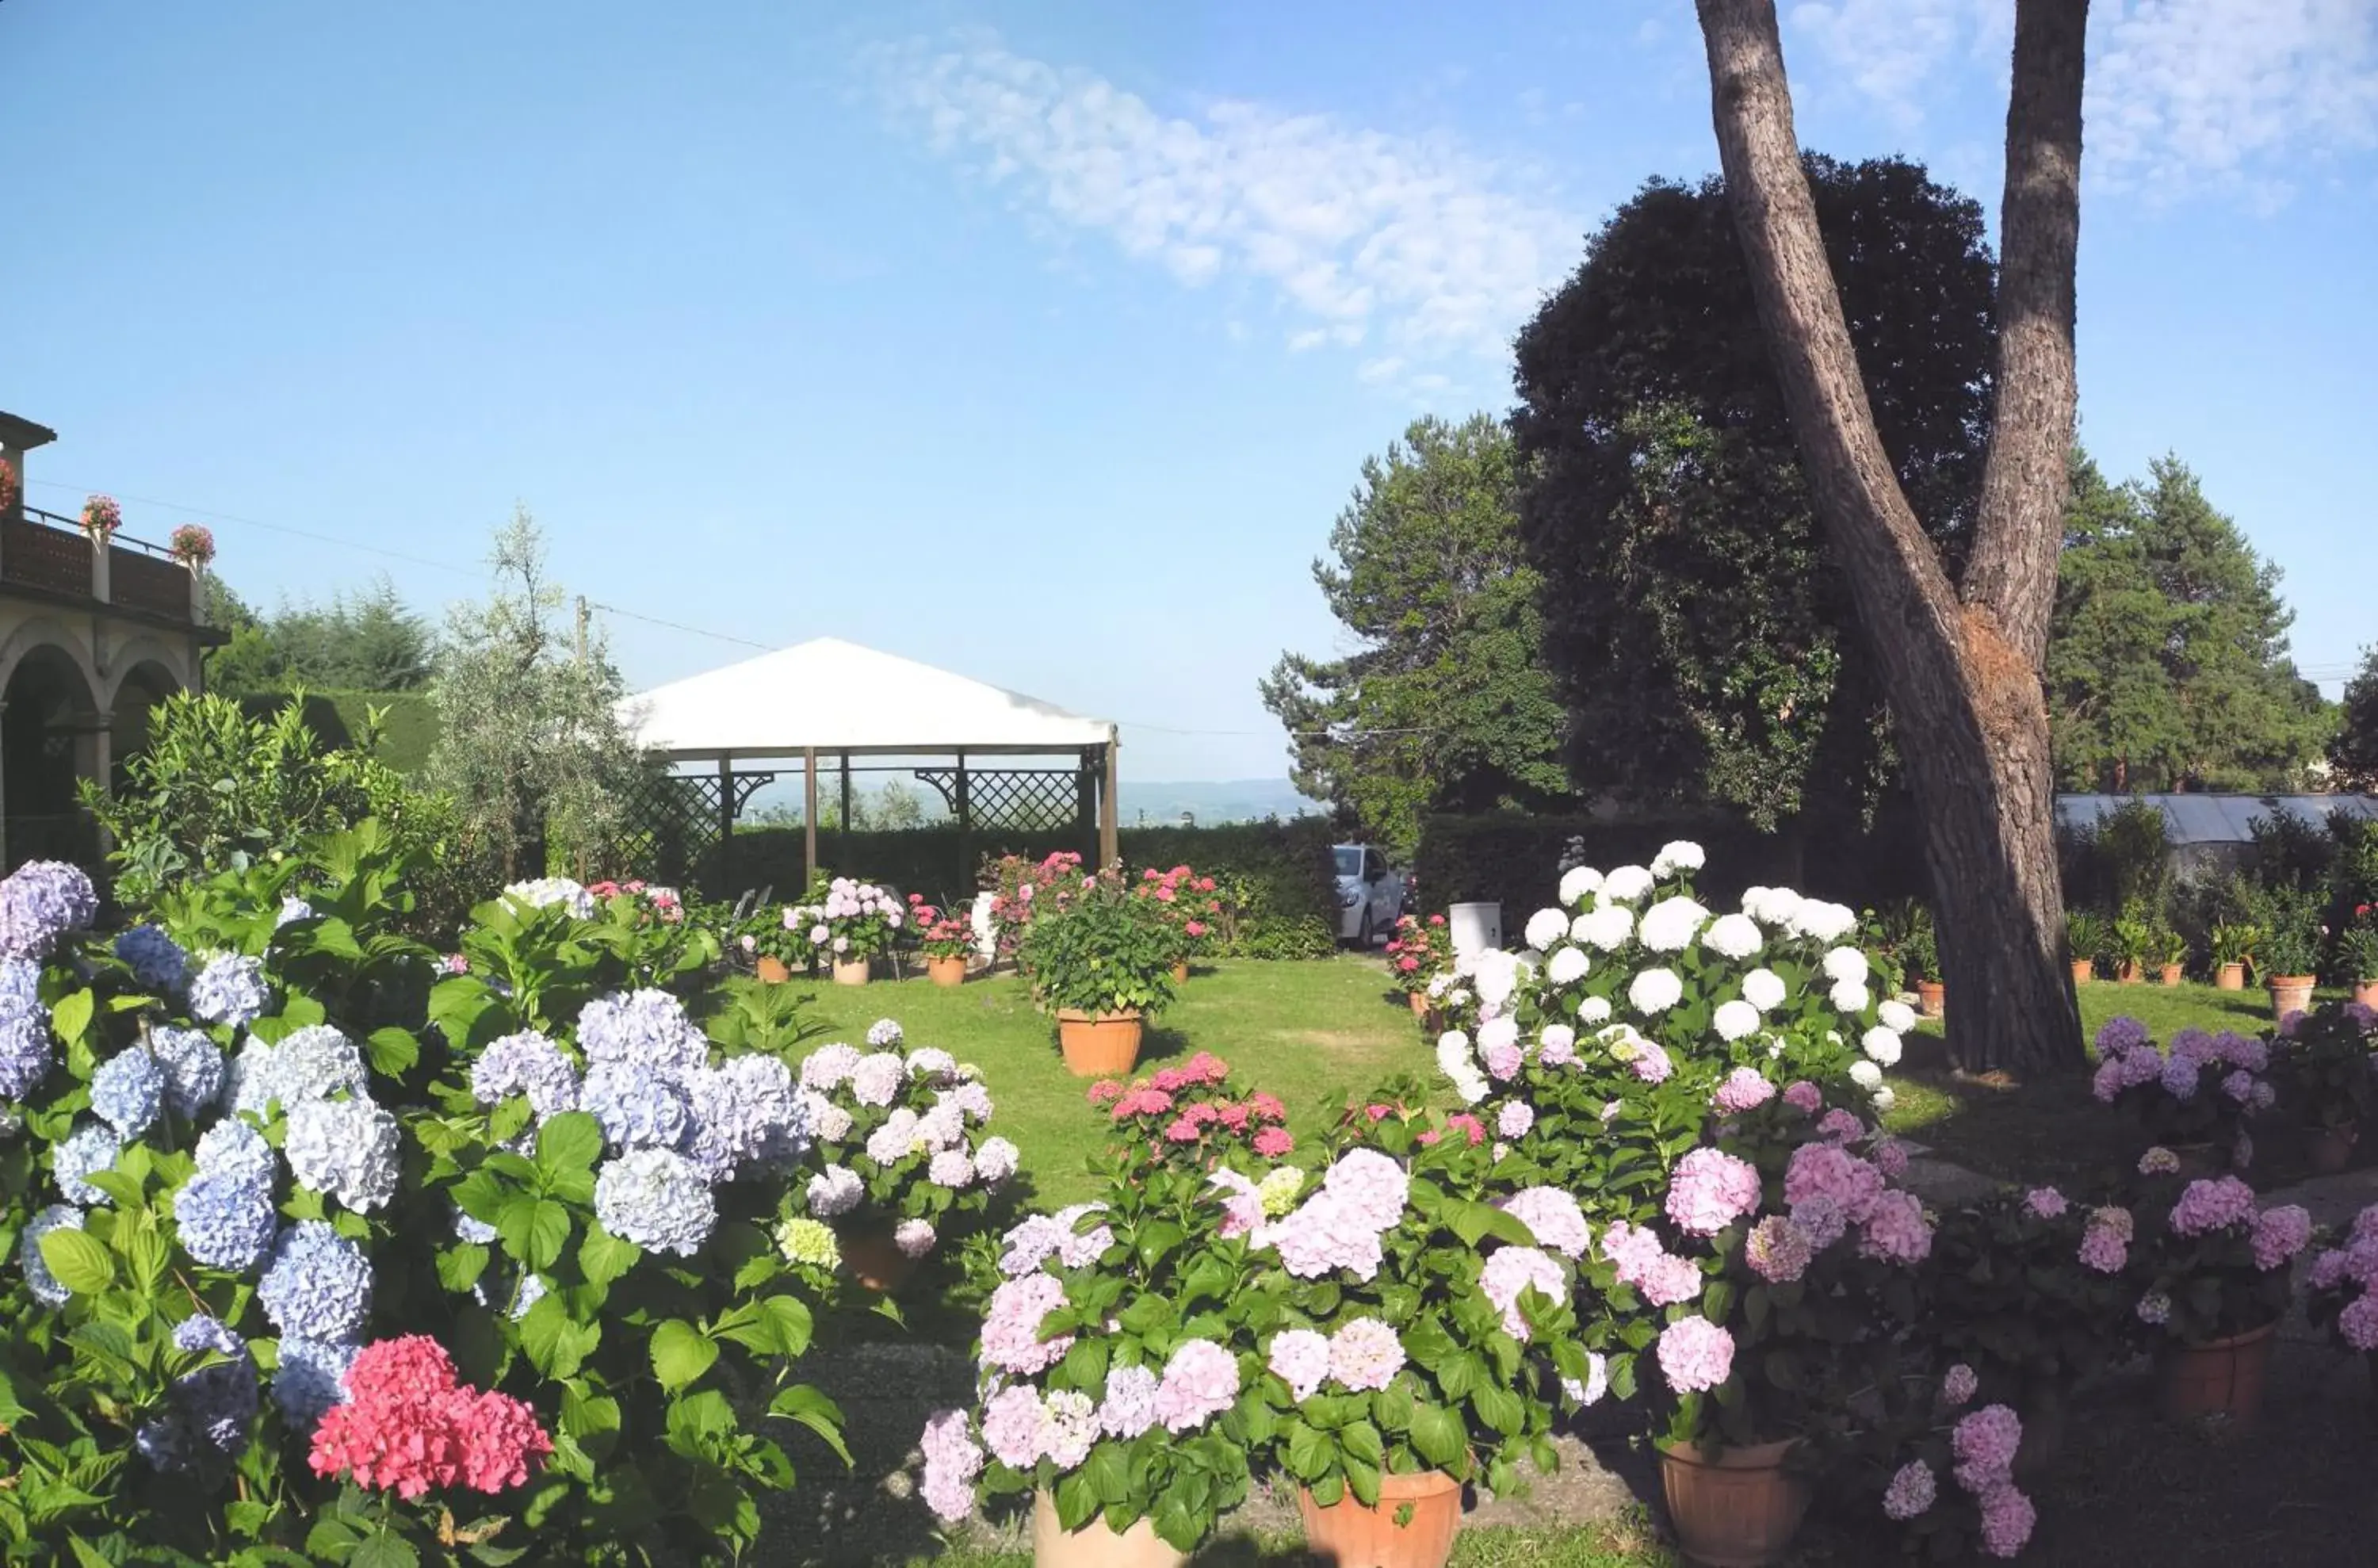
903	1146
298	1276
1637	1018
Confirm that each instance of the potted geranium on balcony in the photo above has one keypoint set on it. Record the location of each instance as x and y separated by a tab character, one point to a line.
101	517
192	543
1102	962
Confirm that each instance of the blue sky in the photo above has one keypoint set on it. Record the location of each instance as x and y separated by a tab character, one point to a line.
1040	341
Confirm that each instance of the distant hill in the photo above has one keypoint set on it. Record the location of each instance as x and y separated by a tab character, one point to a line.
1238	800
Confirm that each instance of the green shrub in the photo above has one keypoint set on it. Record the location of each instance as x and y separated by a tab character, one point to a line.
1103	952
406	730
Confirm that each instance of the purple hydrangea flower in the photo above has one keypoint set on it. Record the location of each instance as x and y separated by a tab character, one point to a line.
638	1109
26	1053
157	961
192	1067
529	1064
89	1147
319	1283
230	990
128	1092
42	902
38	1278
311	1377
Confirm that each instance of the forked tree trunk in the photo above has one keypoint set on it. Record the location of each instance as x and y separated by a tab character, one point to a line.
1962	668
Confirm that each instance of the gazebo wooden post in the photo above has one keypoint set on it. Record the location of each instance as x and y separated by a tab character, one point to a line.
809	819
966	828
725	822
842	840
1110	809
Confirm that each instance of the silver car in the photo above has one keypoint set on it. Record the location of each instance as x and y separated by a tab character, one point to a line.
1370	895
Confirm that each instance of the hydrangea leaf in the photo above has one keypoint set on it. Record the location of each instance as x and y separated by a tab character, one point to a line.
681	1354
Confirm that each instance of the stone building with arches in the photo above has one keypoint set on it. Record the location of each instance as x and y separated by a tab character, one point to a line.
94	632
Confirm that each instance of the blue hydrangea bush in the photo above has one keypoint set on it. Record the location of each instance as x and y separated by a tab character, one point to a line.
250	1139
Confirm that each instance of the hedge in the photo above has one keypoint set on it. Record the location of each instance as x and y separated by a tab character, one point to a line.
1285	864
408	726
1514	859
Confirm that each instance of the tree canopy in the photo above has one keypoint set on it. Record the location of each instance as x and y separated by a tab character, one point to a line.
1444	703
367	641
1701	635
2353	749
2167	662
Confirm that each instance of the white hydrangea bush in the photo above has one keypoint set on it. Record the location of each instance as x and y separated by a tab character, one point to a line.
1636	1015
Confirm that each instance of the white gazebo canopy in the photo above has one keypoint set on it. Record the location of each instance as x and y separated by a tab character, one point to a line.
826	697
831	696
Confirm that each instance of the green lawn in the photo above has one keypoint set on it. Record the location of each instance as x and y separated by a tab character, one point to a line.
1306	1031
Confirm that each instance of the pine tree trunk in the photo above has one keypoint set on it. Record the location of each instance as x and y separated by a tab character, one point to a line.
1961	670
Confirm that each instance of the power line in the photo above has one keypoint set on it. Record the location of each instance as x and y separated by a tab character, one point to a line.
433	564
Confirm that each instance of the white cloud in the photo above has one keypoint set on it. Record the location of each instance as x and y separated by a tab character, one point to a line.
2181	93
1437	251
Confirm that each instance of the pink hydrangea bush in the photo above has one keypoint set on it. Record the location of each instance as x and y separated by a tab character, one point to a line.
2341	1286
848	920
1195	1115
2200	1088
2028	1292
2206	1260
1945	1472
904	1146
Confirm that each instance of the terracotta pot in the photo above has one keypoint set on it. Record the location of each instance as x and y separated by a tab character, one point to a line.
2290	994
946	971
1411	1527
1098	1045
2172	974
2083	971
2331	1147
2229	977
874	1259
772	971
851	972
1419	1000
2366	993
1181	973
2224	1378
2132	973
1931	998
1094	1546
1739	1509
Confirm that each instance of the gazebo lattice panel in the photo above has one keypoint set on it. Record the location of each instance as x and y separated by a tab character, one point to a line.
671	821
1018	800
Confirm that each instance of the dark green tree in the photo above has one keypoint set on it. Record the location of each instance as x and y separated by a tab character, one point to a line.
363	642
252	661
2353	750
2167	664
1702	636
1445	704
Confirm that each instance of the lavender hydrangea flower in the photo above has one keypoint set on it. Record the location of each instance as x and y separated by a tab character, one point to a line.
128	1092
320	1284
884	1034
829	1067
745	1113
638	1109
655	1198
88	1149
344	1148
192	1067
477	1232
44	1285
835	1191
229	990
26	1054
647	1029
20	985
225	1219
157	961
42	902
1129	1407
218	1402
529	1064
293	909
311	1377
312	1063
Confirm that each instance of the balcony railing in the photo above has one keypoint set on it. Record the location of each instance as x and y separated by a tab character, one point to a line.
41	549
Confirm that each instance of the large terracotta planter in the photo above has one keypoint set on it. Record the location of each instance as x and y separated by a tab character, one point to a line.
2172	974
1411	1527
2083	971
2225	1378
772	971
874	1259
1100	1044
2131	973
2229	977
2290	994
2330	1149
1419	1000
946	971
1738	1509
1181	972
1094	1546
1931	998
851	972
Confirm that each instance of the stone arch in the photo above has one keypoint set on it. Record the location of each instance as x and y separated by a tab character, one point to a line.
53	735
143	678
164	667
36	633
